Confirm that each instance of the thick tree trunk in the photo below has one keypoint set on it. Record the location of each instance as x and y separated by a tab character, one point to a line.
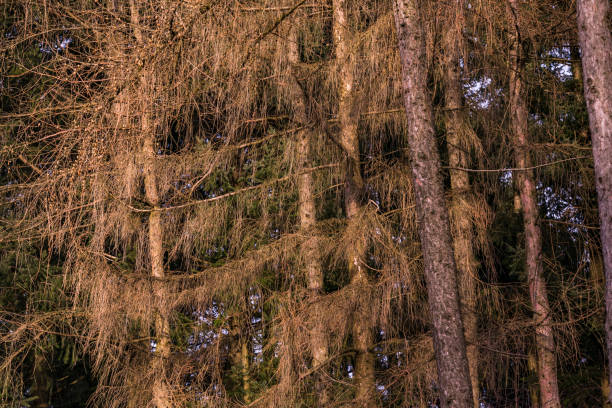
348	118
307	214
155	233
434	229
596	46
461	190
545	343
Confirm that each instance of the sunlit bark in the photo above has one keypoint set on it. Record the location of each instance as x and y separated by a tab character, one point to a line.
432	215
155	228
307	212
596	46
245	366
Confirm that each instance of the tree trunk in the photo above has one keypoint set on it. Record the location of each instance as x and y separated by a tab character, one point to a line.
578	77
461	190
245	367
307	214
434	229
532	366
545	343
596	46
155	235
353	188
43	382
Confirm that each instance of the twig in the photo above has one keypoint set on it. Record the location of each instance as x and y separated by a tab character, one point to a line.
516	168
230	194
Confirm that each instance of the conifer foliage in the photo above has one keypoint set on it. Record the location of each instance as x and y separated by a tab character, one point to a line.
305	203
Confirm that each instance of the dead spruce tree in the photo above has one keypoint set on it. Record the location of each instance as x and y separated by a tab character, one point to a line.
310	251
545	343
434	227
459	138
155	232
197	169
348	138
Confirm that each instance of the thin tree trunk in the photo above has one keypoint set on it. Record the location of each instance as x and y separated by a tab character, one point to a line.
545	343
578	77
461	190
353	186
307	214
155	235
596	46
432	215
245	367
43	381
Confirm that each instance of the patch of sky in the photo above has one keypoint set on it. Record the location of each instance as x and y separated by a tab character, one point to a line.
506	178
205	333
477	91
60	44
383	390
559	204
553	62
384	361
398	238
537	119
350	370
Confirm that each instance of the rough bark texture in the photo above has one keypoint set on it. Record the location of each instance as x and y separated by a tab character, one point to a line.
545	343
348	119
155	233
434	229
461	190
596	46
307	214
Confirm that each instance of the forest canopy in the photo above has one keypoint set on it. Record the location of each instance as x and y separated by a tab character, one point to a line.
305	203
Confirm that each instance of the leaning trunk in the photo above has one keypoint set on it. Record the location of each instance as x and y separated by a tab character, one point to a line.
596	45
461	190
545	343
307	214
434	229
353	186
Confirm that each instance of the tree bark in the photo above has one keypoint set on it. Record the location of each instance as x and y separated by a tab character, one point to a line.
596	46
432	215
353	187
245	367
545	343
155	233
461	190
307	215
